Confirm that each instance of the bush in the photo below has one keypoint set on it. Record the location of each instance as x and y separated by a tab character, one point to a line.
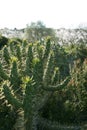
3	41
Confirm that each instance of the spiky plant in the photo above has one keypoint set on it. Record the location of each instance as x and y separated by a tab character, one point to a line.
30	85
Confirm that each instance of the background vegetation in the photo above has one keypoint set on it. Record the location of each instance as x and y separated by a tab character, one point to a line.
43	85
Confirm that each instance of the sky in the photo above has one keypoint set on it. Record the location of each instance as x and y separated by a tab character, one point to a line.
53	13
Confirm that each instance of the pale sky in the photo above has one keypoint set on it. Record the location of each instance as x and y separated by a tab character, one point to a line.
53	13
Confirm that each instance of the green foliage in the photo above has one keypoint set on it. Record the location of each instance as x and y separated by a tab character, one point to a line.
6	55
29	105
3	75
13	101
14	77
39	69
3	41
78	89
70	104
28	68
38	31
15	41
36	78
7	113
18	52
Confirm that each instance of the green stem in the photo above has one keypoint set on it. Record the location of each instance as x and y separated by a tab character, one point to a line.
58	86
11	99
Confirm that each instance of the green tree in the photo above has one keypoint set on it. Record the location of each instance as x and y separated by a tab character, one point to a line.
38	31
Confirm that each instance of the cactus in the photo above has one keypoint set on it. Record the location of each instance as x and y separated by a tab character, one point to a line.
14	76
3	75
11	46
36	82
18	52
28	68
11	99
29	105
58	86
6	55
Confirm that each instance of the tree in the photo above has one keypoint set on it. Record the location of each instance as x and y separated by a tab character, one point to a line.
38	31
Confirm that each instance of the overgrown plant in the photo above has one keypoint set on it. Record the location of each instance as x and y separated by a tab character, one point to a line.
30	85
